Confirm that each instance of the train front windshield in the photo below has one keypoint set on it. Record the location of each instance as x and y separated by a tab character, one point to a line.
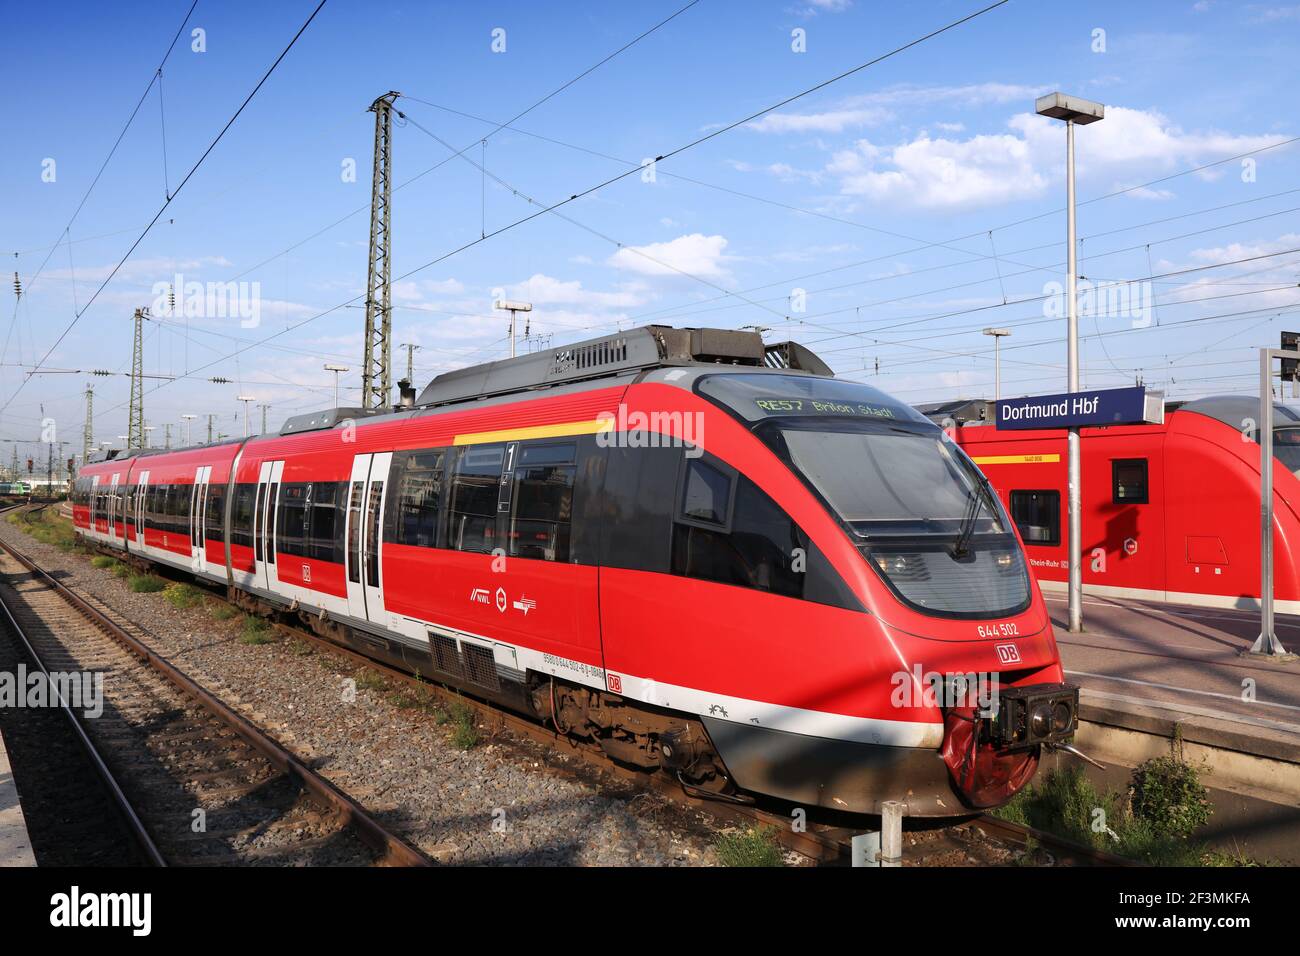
918	509
1286	448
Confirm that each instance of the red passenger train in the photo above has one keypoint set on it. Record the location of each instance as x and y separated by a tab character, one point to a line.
706	555
1170	512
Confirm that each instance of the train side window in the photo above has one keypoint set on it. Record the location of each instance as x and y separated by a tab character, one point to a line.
473	504
541	513
706	493
759	550
1129	481
1038	516
418	477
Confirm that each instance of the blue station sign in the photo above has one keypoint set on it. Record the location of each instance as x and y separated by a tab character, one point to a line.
1110	406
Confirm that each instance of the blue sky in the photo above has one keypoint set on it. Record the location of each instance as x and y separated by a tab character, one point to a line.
907	202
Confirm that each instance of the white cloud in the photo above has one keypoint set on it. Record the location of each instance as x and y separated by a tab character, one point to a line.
420	290
836	121
544	290
872	109
695	254
1274	14
983	170
1241	250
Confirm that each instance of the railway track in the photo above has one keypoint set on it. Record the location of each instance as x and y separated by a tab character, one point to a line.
195	782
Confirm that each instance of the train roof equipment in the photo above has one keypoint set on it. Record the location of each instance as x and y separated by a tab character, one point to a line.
645	347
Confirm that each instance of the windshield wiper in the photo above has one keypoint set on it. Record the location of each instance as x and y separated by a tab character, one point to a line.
962	546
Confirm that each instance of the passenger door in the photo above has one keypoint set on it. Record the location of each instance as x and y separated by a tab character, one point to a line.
141	491
264	512
198	513
363	534
94	504
113	510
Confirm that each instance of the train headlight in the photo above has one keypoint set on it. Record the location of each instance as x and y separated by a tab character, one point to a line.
1040	721
1004	560
1062	716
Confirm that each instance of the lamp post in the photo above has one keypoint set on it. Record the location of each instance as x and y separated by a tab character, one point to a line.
1073	111
189	429
514	308
997	360
245	399
336	369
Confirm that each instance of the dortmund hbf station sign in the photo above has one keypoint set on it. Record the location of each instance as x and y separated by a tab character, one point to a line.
1110	406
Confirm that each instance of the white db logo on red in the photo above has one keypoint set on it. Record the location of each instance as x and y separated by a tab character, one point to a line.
1007	653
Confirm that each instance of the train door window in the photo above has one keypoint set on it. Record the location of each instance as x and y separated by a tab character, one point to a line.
414	521
473	501
272	497
1038	516
1129	481
354	532
241	514
215	514
195	514
541	501
372	533
324	531
291	529
638	505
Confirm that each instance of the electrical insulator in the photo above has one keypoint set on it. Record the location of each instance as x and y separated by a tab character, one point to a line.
18	286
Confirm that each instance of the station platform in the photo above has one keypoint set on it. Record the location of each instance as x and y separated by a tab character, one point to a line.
15	847
1187	663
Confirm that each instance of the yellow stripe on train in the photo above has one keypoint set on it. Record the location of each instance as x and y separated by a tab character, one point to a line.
536	431
1016	459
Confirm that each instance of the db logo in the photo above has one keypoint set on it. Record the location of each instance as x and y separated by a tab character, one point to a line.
1007	653
614	683
306	573
1130	546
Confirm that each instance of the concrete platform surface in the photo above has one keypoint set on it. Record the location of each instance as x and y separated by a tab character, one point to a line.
15	847
1163	663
